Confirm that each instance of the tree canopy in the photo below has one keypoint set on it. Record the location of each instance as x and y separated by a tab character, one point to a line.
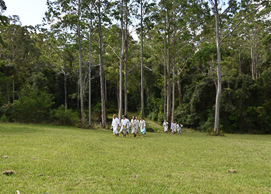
191	61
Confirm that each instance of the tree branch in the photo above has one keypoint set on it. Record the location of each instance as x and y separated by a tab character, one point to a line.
152	70
239	24
113	51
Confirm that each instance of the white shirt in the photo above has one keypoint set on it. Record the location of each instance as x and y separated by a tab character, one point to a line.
136	123
132	122
165	124
173	126
115	122
142	124
124	122
127	122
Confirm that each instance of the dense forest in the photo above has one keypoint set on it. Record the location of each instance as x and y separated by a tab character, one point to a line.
206	64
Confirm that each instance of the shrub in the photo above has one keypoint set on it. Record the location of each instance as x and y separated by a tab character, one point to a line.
4	119
33	106
150	115
97	112
154	116
7	110
160	116
66	117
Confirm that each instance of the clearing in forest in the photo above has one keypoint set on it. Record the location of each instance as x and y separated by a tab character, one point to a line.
51	159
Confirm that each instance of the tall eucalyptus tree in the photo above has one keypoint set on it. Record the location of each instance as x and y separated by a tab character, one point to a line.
232	8
144	25
68	14
121	57
102	7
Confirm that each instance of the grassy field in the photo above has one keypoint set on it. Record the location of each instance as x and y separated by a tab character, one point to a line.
51	159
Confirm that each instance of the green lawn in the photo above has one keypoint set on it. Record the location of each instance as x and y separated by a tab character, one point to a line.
51	159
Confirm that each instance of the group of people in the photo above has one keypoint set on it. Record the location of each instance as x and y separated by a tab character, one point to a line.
125	125
136	124
175	127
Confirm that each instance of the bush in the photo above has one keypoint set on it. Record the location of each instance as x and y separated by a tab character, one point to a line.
208	126
67	117
33	106
4	119
7	110
150	115
161	117
154	116
97	112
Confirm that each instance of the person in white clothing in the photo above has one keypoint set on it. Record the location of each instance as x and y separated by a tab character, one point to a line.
173	127
123	126
127	124
179	128
115	124
142	126
165	126
120	124
134	125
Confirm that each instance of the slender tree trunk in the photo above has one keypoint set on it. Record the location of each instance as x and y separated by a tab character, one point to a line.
65	82
117	93
240	65
121	60
252	63
13	76
180	93
80	66
126	55
105	89
78	94
168	77
89	84
174	63
8	97
101	67
13	88
255	65
141	34
173	94
219	85
13	83
165	63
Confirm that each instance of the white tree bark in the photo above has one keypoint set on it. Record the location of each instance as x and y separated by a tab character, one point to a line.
80	66
168	77
65	82
89	84
165	63
121	60
126	55
219	85
101	67
142	87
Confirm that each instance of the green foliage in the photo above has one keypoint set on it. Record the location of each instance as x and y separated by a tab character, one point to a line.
97	111
33	106
4	119
153	116
139	115
160	116
111	107
34	57
208	126
67	117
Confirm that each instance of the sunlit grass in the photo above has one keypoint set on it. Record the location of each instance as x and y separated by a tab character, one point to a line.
71	160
